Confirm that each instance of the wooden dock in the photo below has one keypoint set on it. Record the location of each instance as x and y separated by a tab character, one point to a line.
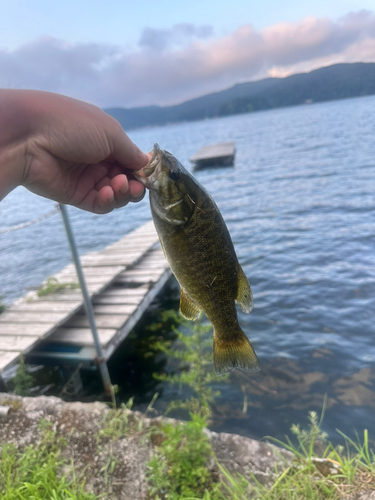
122	279
214	155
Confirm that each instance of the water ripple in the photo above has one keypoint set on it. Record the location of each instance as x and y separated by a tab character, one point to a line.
299	204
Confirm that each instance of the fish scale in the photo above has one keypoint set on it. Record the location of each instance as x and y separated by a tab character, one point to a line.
200	252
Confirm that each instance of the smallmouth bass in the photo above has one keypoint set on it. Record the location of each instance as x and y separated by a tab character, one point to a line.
200	252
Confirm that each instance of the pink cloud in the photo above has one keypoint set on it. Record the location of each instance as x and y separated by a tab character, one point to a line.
186	61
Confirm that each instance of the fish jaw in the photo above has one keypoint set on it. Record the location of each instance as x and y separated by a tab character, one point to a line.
165	177
148	175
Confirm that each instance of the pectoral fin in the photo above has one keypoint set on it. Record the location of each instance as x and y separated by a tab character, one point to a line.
244	295
187	308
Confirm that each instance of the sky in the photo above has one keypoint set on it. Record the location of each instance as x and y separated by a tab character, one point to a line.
128	54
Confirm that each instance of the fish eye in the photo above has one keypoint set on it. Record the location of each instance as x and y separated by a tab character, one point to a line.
174	175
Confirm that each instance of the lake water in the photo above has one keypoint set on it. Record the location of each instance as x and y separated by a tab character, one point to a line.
300	207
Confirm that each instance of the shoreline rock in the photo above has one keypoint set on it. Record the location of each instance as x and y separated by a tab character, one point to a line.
80	424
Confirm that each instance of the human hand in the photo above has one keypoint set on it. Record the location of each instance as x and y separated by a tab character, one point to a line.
72	152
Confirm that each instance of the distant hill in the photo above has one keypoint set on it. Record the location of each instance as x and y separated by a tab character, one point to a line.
338	81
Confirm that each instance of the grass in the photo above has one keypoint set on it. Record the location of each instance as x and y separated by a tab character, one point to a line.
179	469
53	285
184	467
23	381
319	469
14	404
195	358
33	473
338	473
117	423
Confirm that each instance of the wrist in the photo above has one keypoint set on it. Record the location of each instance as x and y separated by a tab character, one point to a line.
12	167
15	129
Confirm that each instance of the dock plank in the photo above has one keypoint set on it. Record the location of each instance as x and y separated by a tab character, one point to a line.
31	317
141	272
140	279
6	358
91	271
36	329
16	343
113	300
95	288
129	280
81	336
59	317
128	292
117	309
63	295
102	321
135	245
48	306
108	260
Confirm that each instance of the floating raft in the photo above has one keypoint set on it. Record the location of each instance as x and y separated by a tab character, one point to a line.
122	279
214	155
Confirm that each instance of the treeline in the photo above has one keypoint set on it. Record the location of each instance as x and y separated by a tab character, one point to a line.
338	81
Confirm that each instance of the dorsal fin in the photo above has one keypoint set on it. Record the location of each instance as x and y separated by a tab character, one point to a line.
187	308
244	295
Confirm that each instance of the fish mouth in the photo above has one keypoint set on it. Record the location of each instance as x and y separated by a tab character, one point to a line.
145	174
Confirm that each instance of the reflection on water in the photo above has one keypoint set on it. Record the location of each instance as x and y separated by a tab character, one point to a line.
283	392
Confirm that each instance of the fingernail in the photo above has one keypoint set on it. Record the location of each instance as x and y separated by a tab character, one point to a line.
138	198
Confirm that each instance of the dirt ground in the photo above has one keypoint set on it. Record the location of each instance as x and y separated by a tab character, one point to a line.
117	467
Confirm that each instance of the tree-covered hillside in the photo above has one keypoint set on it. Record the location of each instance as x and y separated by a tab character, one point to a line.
339	81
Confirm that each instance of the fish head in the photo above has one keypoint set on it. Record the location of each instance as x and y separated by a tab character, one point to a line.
169	183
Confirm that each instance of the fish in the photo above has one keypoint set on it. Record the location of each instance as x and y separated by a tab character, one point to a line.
198	247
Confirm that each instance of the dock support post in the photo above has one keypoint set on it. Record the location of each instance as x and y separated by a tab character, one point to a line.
103	368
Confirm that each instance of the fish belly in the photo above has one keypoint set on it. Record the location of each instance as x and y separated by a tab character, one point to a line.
204	266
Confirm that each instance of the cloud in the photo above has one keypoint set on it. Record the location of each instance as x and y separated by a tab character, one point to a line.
179	34
186	61
51	64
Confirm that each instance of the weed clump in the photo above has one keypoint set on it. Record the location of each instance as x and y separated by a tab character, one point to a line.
23	381
195	364
53	285
180	468
184	463
117	423
34	471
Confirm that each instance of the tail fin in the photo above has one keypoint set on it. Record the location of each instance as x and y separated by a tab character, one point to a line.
235	352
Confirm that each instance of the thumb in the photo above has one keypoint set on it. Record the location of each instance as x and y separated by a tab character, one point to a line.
125	152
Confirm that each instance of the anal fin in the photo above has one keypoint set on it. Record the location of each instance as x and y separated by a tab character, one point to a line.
244	294
187	308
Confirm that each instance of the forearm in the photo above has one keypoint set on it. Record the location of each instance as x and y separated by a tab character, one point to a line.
15	129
